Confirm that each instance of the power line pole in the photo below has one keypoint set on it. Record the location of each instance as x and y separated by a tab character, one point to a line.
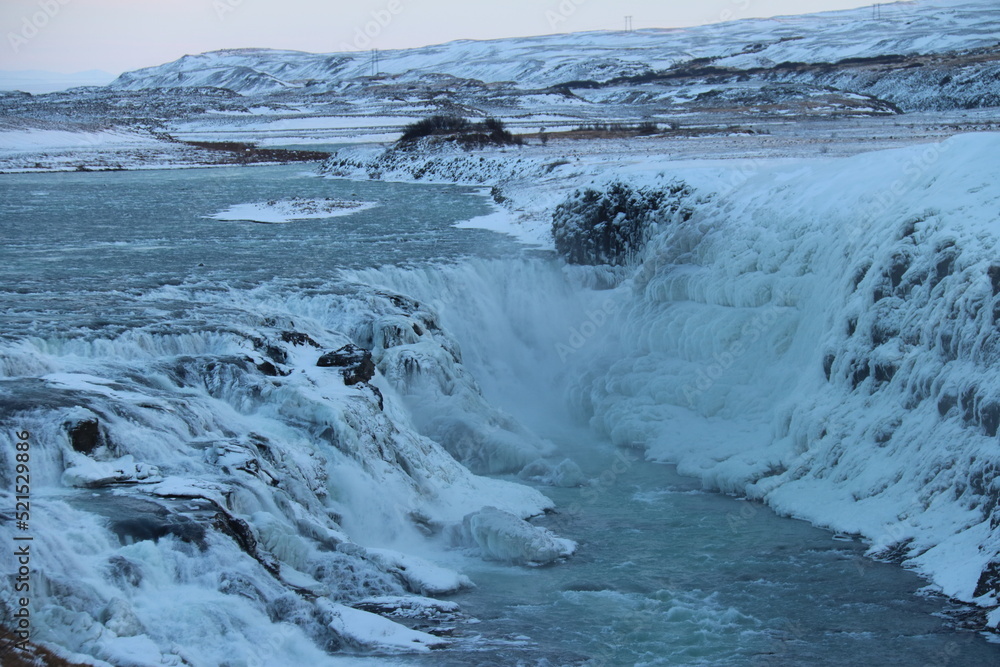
628	24
375	63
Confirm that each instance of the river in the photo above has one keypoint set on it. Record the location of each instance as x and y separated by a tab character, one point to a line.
666	573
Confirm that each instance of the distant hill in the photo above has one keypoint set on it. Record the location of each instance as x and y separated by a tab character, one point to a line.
904	29
39	81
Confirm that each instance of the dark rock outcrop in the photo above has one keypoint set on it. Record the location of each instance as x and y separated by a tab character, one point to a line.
298	338
612	226
355	363
85	435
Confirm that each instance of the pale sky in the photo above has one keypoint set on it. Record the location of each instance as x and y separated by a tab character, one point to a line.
119	35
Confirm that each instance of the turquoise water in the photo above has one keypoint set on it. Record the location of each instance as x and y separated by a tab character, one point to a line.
80	248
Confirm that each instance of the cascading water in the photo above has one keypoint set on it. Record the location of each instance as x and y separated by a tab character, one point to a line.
208	495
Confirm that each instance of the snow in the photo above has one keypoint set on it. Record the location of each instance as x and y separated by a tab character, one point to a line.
421	576
276	212
410	606
820	335
89	473
504	222
34	139
723	348
369	630
304	469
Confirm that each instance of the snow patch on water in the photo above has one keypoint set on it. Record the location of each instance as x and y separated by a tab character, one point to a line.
277	212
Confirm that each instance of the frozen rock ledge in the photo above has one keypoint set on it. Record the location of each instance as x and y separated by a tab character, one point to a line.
504	537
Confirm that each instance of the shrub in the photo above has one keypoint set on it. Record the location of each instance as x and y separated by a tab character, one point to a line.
646	127
490	131
439	124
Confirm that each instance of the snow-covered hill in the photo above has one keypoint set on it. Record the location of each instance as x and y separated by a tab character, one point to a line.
905	28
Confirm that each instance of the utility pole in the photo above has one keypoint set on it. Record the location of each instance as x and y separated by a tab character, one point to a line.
628	24
877	11
375	63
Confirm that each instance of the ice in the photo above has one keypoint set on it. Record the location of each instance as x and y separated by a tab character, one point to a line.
233	493
409	607
566	473
820	335
504	537
875	269
872	270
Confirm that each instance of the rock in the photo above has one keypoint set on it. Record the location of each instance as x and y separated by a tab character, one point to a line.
994	274
118	617
241	533
298	338
85	435
356	363
269	369
989	580
378	395
566	474
124	572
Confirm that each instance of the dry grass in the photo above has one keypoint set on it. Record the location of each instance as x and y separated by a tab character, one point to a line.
35	656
